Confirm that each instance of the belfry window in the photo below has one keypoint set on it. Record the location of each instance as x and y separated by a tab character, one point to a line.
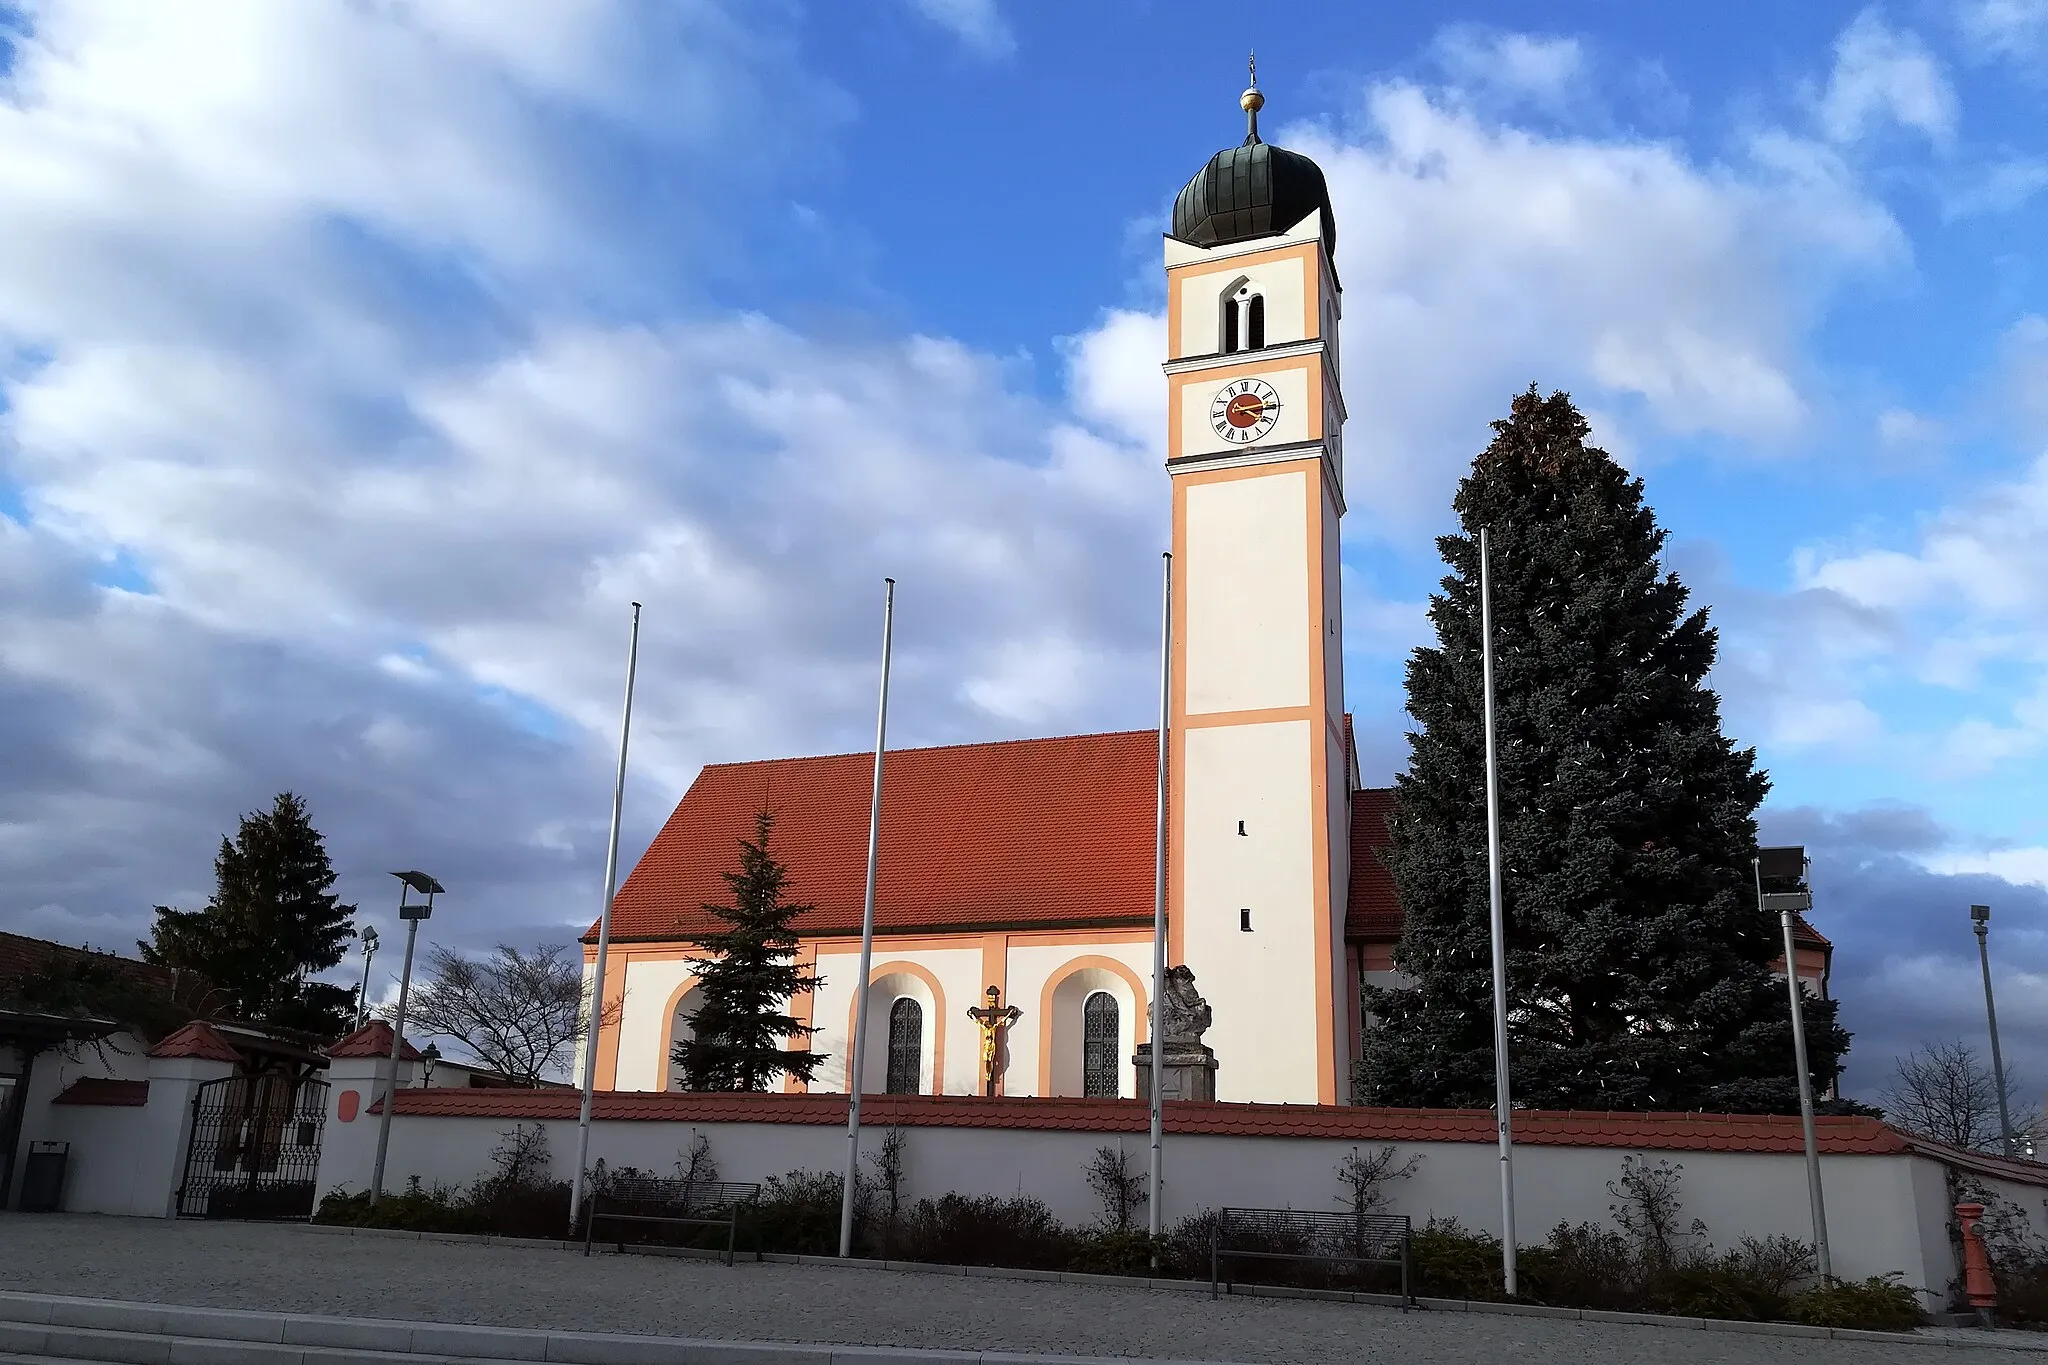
1244	318
906	1046
1099	1050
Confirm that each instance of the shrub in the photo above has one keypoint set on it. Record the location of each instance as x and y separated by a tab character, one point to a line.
1583	1265
413	1209
1880	1304
957	1229
799	1213
1450	1261
1098	1251
1122	1191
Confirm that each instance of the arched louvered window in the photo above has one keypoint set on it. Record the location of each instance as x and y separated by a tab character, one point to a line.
906	1046
1099	1051
1244	318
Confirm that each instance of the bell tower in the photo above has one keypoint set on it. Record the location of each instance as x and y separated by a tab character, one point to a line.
1259	831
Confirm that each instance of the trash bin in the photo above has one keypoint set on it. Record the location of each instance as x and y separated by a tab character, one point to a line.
42	1177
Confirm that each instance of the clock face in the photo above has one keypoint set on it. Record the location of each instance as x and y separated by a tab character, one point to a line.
1244	410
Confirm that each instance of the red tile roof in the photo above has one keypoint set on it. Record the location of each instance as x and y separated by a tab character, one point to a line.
1034	832
1650	1132
1374	912
371	1040
22	957
196	1039
102	1090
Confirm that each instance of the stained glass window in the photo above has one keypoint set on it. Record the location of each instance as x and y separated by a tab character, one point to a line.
1100	1054
906	1046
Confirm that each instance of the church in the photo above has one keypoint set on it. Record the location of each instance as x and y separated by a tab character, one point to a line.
1022	872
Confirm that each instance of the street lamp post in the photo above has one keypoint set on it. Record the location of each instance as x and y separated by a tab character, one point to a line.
363	991
412	915
1791	862
427	1060
1980	918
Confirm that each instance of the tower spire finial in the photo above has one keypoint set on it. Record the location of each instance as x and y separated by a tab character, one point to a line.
1251	101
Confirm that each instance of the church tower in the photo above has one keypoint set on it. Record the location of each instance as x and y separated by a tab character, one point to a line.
1258	853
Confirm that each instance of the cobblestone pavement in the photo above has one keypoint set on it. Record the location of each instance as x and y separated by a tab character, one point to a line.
293	1269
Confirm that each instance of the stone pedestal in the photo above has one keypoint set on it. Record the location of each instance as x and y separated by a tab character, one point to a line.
1186	1073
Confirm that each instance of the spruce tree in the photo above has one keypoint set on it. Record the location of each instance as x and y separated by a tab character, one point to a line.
742	1025
272	923
1638	961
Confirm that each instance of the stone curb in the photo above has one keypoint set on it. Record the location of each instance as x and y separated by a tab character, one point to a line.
1939	1336
111	1329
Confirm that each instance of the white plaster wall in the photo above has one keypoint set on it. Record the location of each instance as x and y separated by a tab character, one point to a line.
1261	984
1031	965
1343	985
1296	422
348	1149
1248	622
958	971
645	1022
1284	283
1333	627
1878	1205
102	1174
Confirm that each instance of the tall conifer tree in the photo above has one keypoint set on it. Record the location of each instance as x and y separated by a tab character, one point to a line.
742	1026
1638	961
272	923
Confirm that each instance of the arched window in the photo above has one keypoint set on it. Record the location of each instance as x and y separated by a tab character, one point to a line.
1099	1050
906	1046
1244	318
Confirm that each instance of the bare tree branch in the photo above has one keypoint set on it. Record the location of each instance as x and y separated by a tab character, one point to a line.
1945	1092
519	1013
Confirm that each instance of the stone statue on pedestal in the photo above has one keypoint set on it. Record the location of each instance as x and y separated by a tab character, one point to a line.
1188	1069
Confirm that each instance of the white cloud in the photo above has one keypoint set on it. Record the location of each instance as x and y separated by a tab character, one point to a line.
1882	75
1902	429
2013	864
1477	256
2004	28
978	24
1544	71
389	543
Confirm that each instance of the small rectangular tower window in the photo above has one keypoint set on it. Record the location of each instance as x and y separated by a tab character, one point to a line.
1244	920
1255	322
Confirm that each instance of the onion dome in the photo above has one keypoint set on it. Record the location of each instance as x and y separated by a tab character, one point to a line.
1252	190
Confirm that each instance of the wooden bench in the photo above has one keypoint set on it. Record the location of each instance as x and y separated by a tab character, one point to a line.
1302	1235
682	1203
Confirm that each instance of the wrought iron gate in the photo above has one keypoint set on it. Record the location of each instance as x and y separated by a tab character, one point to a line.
255	1149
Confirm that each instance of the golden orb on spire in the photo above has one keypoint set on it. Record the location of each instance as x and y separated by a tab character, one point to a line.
1251	101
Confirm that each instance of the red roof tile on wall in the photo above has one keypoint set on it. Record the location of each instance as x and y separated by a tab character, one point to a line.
101	1090
1650	1132
1035	832
371	1040
196	1039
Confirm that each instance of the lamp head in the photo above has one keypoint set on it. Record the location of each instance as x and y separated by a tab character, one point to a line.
420	882
369	937
1980	915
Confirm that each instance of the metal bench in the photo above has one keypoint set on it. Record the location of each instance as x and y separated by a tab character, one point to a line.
683	1203
1302	1235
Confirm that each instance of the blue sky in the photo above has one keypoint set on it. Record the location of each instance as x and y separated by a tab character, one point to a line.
359	364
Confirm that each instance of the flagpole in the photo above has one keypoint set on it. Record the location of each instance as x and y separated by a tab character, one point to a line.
604	934
1153	1220
855	1049
1503	1119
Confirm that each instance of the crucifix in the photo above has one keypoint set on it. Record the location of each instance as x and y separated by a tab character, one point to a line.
993	1017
